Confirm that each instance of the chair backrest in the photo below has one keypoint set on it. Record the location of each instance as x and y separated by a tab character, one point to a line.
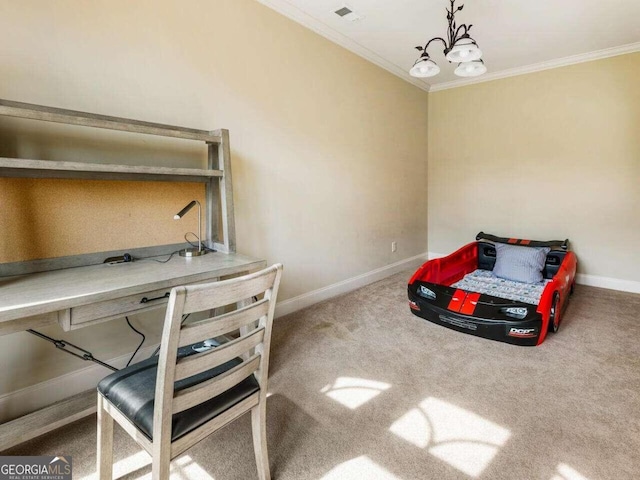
254	319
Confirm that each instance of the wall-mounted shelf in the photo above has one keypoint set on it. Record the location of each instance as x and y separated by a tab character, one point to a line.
17	167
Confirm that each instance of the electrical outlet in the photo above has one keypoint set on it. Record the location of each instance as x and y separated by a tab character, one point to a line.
394	246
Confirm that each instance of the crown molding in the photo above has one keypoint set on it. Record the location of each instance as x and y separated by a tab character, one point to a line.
285	8
538	67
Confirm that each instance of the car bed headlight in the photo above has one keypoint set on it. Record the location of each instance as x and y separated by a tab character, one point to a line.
516	312
426	292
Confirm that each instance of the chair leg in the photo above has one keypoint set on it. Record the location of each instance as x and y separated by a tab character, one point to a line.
105	442
161	460
259	428
160	469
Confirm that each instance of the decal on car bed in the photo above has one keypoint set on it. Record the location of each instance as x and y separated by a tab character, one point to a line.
456	301
469	304
464	302
523	332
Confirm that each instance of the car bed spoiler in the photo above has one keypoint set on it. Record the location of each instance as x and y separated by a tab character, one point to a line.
563	244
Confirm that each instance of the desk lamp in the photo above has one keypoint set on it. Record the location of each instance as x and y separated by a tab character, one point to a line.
192	252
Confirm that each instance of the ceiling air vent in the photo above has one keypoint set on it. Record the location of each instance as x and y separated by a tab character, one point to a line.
347	14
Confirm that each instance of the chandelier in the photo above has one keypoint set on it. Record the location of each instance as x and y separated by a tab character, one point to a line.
459	48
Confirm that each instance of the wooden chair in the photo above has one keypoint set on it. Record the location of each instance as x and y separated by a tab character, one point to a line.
170	402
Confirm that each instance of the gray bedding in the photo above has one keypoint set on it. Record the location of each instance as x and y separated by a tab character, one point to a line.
484	281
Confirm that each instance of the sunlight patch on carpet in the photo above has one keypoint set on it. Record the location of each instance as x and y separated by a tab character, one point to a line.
127	465
565	472
457	436
359	468
354	392
188	469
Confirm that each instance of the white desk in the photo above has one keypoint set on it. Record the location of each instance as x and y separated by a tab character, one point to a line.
37	299
82	296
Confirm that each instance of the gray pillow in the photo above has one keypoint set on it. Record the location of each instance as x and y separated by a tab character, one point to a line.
521	264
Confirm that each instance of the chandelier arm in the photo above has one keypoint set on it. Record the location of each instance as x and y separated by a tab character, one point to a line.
456	37
435	38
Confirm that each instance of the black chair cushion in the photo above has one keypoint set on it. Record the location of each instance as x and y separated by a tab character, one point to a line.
132	391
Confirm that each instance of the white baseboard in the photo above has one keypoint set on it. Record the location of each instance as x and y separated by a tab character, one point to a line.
32	398
590	280
608	282
310	298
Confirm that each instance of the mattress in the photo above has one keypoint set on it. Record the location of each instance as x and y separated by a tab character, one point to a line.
484	281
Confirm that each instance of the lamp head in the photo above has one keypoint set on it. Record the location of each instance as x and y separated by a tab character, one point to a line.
182	212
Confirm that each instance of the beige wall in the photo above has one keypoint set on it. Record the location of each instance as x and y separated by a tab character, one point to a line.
554	154
328	151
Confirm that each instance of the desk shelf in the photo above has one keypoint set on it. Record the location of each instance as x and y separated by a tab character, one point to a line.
17	167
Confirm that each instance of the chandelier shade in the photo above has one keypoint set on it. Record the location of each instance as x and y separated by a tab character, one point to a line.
459	48
424	67
470	69
465	50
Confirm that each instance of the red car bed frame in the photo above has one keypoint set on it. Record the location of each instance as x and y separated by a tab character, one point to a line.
432	298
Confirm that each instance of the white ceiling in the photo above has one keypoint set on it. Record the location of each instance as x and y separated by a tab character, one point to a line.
515	36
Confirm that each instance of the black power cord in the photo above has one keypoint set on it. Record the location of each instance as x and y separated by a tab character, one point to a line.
71	349
139	333
194	245
160	261
204	247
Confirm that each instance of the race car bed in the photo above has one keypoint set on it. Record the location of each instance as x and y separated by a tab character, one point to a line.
504	289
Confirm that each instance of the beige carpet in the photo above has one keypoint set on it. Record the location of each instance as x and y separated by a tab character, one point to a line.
362	389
